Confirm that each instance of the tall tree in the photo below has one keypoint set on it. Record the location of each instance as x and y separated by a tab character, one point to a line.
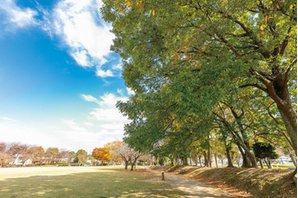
201	51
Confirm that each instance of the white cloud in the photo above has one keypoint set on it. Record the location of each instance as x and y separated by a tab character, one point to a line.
16	16
104	74
79	25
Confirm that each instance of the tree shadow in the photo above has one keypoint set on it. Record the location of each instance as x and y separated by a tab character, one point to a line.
94	184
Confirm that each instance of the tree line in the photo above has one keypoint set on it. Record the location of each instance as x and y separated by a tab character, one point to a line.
211	78
113	153
18	154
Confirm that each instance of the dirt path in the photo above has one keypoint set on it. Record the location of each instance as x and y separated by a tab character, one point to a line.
191	187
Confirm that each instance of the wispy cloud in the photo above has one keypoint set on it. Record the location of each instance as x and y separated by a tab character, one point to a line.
15	16
89	98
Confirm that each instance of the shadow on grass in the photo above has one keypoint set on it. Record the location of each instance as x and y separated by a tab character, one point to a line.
259	182
95	184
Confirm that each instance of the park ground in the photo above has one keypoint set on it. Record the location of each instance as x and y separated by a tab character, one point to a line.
111	182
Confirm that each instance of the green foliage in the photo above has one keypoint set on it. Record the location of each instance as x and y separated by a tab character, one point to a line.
264	150
188	61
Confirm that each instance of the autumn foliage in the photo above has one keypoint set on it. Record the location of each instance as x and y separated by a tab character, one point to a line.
101	154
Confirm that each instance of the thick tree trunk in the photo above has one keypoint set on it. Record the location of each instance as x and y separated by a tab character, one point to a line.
245	162
230	162
289	116
252	159
294	159
184	161
249	159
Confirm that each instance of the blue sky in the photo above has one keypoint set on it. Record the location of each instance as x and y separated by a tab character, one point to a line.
59	81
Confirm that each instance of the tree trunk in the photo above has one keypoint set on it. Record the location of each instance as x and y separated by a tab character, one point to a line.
269	163
261	163
184	161
215	159
209	156
230	162
243	140
134	162
196	161
126	164
249	159
245	162
252	159
200	161
277	88
206	163
293	158
291	131
172	161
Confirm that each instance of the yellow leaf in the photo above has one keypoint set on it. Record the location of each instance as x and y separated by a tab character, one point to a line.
152	12
263	26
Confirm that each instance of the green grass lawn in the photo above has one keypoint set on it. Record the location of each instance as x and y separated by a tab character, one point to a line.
107	183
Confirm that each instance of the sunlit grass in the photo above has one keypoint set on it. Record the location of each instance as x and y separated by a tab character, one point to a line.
283	166
101	183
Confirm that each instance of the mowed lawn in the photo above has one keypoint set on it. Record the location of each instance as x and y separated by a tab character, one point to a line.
80	182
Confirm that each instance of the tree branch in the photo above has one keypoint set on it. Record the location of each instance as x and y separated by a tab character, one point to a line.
254	85
286	78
